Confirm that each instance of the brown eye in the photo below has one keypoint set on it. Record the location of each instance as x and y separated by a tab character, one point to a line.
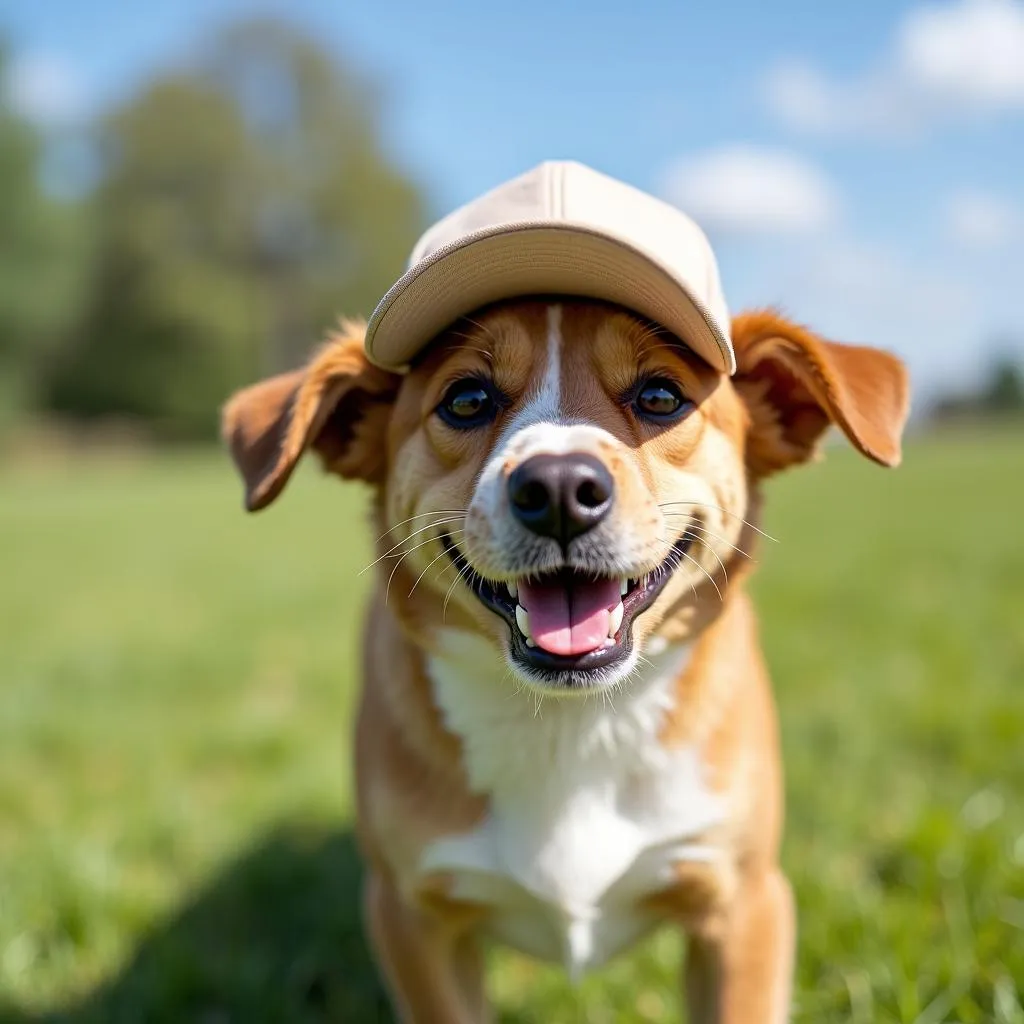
467	403
661	400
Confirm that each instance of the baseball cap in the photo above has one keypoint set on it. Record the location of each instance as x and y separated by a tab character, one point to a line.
560	228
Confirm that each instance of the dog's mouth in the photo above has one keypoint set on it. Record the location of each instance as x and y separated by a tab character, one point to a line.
567	623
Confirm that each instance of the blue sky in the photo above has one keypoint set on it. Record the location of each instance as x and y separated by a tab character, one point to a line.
860	166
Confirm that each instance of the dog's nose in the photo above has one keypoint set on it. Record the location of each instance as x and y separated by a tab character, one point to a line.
561	496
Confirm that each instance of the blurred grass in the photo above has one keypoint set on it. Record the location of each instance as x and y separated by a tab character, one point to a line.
175	697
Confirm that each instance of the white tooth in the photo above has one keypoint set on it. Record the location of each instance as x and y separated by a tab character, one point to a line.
530	642
623	588
523	620
609	642
616	620
513	590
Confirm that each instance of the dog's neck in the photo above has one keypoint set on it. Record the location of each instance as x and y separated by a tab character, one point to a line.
509	731
583	794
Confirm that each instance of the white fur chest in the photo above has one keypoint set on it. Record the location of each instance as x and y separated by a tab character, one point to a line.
588	811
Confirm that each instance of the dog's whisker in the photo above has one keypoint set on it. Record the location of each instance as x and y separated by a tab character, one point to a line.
416	532
710	578
467	347
676	560
481	327
434	560
673	562
519	684
401	556
439	519
467	571
387	589
703	535
646	338
424	515
700	532
714	553
642	353
404	556
437	579
405	540
695	528
725	511
606	693
439	575
714	536
644	661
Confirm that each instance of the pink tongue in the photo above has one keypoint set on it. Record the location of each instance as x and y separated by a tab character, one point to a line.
569	617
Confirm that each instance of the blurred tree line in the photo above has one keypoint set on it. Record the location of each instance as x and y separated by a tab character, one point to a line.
1000	396
241	206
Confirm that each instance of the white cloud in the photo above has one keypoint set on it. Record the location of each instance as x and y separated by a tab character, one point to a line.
44	89
804	98
946	60
747	190
981	221
801	95
971	51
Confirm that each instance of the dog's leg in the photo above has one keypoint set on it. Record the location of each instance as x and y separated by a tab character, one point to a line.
738	970
434	972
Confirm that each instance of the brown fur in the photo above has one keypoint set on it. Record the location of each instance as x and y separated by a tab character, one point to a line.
336	406
412	785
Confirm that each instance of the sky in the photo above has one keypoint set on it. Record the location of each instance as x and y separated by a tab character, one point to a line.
860	166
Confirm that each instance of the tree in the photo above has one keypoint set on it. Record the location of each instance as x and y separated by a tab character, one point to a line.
244	206
1001	394
42	260
1005	389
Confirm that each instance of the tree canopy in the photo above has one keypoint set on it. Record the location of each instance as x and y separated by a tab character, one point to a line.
42	259
243	204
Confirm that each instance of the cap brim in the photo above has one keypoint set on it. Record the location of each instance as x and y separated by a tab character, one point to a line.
535	259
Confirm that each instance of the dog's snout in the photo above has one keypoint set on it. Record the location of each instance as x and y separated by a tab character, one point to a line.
561	496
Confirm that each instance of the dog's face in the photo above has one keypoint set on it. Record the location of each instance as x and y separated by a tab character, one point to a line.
561	477
581	468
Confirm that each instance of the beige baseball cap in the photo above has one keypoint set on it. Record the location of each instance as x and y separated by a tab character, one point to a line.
561	228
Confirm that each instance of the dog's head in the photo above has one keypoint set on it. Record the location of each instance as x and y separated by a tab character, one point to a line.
562	477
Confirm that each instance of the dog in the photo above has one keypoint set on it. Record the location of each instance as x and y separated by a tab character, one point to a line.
566	735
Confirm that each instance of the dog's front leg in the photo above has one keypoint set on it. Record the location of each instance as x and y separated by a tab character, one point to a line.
433	968
738	968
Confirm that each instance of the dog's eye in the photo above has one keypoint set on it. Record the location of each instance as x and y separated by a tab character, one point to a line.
467	403
661	400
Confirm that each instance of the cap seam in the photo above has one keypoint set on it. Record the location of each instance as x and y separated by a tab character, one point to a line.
514	227
722	343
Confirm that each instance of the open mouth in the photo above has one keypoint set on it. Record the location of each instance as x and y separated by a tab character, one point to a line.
568	621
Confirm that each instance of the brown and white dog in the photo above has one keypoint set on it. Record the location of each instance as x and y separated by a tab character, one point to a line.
566	735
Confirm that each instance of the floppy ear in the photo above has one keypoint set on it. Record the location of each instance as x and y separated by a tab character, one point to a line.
338	406
796	384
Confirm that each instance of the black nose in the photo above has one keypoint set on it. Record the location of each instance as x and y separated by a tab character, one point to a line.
561	496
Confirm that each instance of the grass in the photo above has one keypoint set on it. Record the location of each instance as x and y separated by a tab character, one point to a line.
175	697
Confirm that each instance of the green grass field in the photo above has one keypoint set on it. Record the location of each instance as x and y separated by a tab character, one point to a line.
176	687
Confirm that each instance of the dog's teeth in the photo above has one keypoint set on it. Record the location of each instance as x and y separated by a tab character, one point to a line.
513	590
609	643
623	588
523	621
530	642
616	620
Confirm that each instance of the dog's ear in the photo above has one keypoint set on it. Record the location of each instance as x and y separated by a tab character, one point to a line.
796	384
338	405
